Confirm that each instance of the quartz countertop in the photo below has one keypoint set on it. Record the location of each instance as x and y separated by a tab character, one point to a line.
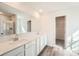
8	45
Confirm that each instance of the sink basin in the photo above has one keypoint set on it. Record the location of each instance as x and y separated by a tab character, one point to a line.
14	40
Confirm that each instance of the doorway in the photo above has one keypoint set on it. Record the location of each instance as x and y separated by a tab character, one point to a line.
29	26
60	31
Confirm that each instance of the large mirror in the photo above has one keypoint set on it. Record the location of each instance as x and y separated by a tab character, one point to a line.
7	24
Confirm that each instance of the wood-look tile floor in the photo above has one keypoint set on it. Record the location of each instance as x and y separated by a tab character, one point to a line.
51	51
60	42
48	51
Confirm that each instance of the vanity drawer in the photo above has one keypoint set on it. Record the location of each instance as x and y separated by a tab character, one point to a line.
16	52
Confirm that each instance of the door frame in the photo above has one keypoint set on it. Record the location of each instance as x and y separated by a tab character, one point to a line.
64	29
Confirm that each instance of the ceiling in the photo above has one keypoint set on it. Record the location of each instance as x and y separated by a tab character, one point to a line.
12	9
51	6
30	7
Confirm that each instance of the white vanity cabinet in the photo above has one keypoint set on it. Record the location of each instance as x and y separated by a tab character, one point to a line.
15	52
30	48
41	43
34	47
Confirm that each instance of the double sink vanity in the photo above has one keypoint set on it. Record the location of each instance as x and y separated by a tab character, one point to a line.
30	44
13	41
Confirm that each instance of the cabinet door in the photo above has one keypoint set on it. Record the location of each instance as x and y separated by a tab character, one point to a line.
41	43
29	51
16	52
37	46
30	48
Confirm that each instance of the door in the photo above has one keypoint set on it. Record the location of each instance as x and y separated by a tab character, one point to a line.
60	30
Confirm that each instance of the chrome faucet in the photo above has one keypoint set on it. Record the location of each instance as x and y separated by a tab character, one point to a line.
16	38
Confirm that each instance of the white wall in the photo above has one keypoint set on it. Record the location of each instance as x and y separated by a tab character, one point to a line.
35	24
72	23
40	24
46	25
51	31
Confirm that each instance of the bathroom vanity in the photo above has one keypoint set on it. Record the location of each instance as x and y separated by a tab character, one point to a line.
12	40
26	45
